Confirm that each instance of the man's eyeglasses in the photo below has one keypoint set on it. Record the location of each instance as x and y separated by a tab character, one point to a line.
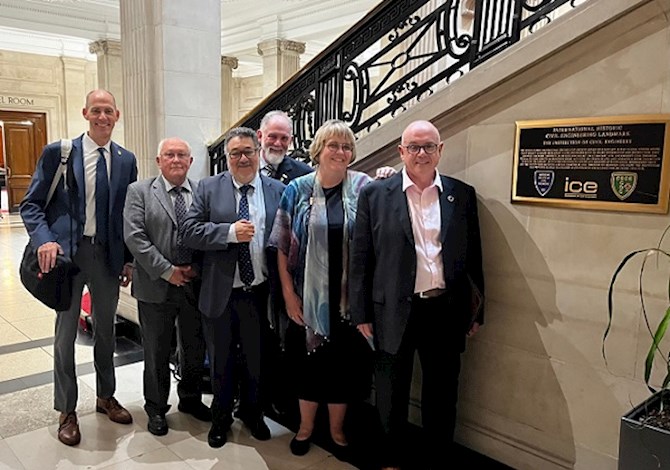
179	155
334	147
414	149
235	154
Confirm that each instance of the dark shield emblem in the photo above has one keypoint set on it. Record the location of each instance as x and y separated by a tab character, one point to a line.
543	181
623	183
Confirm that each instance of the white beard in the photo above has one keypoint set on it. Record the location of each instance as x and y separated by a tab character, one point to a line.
273	158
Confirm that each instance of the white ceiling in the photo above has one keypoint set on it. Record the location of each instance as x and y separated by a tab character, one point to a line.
66	27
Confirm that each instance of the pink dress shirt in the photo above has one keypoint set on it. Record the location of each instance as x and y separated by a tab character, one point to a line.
425	215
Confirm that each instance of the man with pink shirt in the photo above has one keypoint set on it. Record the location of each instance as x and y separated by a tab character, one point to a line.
416	284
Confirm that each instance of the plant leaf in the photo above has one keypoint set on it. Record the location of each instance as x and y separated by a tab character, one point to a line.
658	337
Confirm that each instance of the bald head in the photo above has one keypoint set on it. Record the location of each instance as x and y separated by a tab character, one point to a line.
420	150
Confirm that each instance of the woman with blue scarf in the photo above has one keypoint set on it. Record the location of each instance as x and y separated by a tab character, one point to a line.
311	232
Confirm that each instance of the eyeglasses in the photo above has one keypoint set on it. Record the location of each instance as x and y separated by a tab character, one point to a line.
235	154
179	155
334	147
414	149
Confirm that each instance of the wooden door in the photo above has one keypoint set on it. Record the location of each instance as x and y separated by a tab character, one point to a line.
24	136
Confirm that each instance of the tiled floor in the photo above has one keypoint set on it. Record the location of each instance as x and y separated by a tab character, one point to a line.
28	421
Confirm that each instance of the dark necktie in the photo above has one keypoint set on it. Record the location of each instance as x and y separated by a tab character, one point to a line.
184	253
101	199
244	256
269	170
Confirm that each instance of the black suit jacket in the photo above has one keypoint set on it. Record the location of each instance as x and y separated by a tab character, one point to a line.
382	268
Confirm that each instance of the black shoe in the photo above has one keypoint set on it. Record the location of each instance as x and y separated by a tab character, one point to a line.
196	409
217	436
259	429
342	453
157	425
300	447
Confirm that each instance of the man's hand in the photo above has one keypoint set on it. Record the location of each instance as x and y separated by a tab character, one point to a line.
366	330
244	231
385	172
473	330
46	256
189	272
181	276
126	275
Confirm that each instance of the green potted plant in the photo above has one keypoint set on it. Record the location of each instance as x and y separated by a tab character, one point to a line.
644	438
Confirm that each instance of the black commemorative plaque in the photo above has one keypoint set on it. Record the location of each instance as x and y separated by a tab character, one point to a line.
609	163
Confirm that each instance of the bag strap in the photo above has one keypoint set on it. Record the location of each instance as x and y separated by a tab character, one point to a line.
65	149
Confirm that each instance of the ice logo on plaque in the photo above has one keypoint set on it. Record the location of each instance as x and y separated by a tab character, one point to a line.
623	183
543	181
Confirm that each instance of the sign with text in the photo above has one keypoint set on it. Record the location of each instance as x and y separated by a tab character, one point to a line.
609	163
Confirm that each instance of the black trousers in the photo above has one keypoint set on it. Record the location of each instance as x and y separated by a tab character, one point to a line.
243	322
157	322
433	330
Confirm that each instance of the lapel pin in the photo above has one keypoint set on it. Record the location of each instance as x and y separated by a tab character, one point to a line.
450	198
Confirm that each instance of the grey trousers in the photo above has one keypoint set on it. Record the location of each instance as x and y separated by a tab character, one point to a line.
104	289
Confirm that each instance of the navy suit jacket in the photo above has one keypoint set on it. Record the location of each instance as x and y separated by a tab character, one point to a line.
382	268
290	168
63	220
206	228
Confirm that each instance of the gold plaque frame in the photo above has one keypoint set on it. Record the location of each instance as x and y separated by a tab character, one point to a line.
590	136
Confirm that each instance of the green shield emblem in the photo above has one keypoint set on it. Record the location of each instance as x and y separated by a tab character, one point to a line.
623	183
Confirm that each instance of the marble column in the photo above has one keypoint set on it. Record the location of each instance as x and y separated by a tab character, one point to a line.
281	59
228	114
171	77
110	77
74	84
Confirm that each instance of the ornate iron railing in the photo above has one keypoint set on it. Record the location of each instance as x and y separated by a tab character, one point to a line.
402	52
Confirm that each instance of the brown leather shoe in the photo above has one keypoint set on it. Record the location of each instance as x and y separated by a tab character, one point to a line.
68	431
114	410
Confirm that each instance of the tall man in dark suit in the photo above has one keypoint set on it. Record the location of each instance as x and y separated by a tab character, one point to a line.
165	283
275	136
230	220
427	296
84	221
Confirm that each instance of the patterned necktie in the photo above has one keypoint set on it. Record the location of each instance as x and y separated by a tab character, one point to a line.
244	255
101	198
184	253
269	171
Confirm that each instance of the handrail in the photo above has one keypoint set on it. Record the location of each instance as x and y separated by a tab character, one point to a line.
400	53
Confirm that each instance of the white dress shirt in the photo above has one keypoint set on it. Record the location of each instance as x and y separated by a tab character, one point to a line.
257	215
90	151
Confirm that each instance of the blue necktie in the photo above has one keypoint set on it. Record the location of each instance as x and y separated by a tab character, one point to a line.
244	256
184	253
101	199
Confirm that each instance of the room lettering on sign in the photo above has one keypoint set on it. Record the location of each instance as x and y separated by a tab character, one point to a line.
16	100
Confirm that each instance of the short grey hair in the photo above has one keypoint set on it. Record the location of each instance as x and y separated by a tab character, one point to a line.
273	114
162	142
240	132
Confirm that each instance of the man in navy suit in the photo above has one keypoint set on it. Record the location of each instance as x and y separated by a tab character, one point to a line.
426	297
230	220
84	221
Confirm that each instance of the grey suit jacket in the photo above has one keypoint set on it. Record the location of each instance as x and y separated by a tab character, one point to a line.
150	232
382	267
206	228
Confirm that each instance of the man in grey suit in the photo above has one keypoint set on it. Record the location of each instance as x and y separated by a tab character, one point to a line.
83	221
230	220
416	284
165	283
